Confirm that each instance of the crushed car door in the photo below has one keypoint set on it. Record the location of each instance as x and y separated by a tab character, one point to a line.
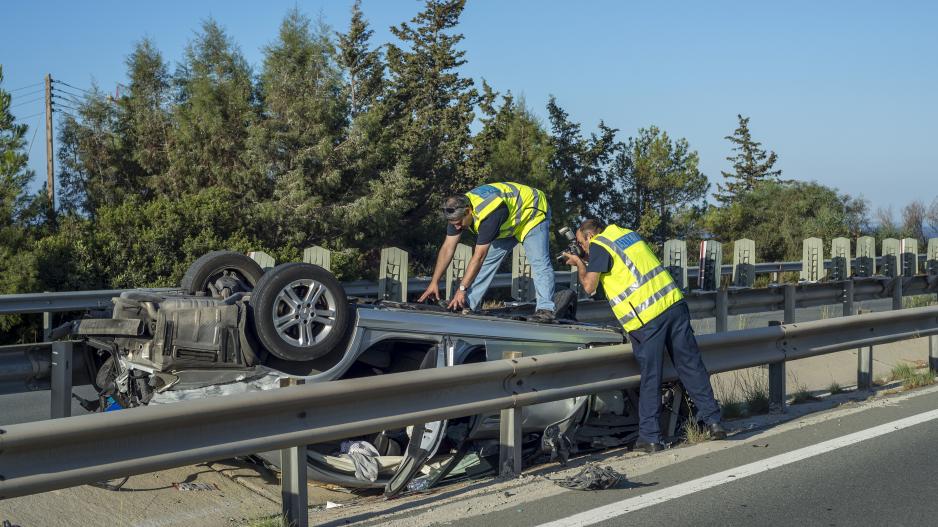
425	438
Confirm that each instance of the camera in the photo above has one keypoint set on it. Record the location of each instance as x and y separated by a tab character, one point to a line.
573	246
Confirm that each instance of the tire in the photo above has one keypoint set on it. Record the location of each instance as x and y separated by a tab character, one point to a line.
217	264
315	300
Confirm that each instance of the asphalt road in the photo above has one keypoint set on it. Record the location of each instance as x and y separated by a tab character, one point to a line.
883	480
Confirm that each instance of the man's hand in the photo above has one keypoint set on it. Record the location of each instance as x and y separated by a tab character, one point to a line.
459	301
573	259
433	291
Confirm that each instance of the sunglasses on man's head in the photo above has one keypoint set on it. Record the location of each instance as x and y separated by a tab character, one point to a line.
450	210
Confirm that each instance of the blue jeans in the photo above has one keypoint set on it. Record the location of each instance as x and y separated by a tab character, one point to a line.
537	249
670	331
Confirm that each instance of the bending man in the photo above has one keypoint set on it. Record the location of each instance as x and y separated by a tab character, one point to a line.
501	215
649	305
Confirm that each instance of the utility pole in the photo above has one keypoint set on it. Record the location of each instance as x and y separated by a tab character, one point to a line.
50	170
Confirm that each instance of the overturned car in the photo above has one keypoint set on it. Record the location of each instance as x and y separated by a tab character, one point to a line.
235	328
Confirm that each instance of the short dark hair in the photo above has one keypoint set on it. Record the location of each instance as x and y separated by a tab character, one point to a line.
592	226
458	203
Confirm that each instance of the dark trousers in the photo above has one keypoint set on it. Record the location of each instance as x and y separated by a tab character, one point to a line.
670	331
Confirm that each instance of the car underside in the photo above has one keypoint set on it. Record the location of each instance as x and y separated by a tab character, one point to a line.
235	328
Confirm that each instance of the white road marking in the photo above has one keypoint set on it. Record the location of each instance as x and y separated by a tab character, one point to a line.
619	508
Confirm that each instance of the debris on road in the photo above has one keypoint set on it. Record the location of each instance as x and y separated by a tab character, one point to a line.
188	486
592	477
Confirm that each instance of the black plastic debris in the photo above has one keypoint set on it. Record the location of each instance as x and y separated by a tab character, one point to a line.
592	477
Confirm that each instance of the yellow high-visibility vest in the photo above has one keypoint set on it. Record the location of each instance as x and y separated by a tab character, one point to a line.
527	207
638	287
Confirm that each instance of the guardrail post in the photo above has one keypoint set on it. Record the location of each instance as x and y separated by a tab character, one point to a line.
777	391
457	268
61	379
392	274
933	352
317	255
744	259
848	297
509	434
897	293
865	364
722	310
293	490
522	283
790	296
263	259
46	326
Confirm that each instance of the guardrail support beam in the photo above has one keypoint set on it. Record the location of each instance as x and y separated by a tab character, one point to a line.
61	379
848	297
46	325
865	364
933	352
509	434
897	293
790	296
777	391
722	310
293	490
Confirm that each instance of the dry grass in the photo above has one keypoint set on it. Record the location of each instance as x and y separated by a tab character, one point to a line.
694	433
274	521
912	377
835	388
802	395
748	394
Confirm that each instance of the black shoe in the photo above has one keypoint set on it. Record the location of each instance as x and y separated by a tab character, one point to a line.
716	431
542	315
646	447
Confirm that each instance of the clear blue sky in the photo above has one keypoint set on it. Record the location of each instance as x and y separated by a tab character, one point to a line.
844	92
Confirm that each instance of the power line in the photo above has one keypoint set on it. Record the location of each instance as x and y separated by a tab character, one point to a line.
35	131
60	105
66	99
31	116
63	90
26	102
27	86
73	87
40	90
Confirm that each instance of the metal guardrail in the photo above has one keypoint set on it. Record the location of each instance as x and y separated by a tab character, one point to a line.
48	455
100	299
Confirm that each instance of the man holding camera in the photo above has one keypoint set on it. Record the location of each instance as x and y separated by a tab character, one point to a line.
500	215
651	308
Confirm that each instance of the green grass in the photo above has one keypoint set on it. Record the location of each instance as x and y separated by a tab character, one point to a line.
835	388
911	376
918	301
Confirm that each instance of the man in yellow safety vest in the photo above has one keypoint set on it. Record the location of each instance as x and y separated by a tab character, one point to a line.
500	215
651	308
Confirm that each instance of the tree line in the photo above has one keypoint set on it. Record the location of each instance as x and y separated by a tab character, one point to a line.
339	142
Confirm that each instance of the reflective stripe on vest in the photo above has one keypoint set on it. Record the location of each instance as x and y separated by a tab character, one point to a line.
518	198
636	297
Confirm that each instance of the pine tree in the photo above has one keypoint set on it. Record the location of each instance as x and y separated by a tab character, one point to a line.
293	147
146	107
580	165
15	174
16	264
426	114
751	164
658	179
363	66
211	120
